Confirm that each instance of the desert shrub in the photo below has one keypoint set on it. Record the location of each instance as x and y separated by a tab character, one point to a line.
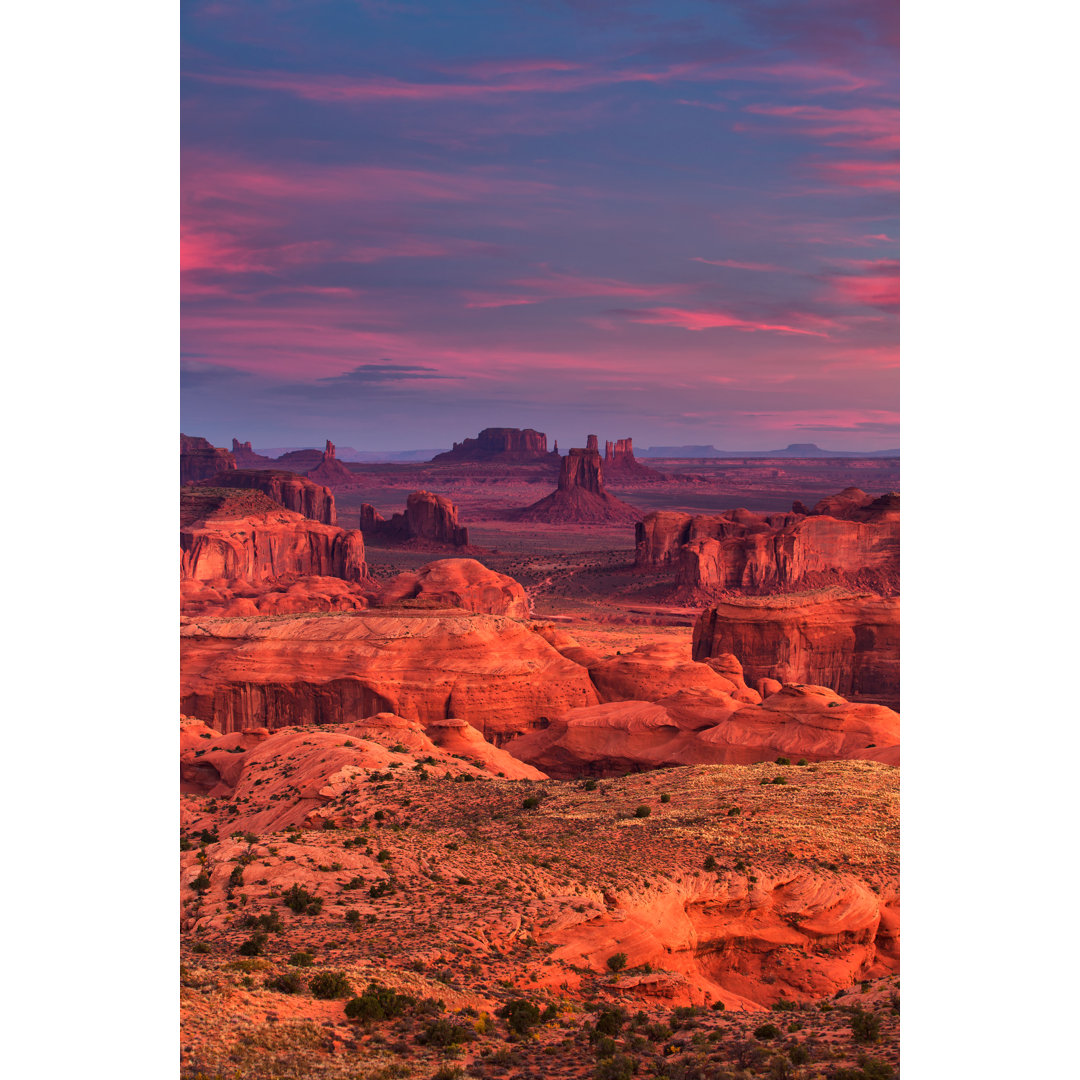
445	1033
378	1002
784	1006
381	888
766	1031
384	856
643	811
605	1046
269	922
616	962
665	798
448	1072
327	985
301	959
734	812
288	982
709	863
802	761
200	947
718	1006
658	1032
531	803
253	946
865	1026
591	785
783	761
610	1021
352	916
798	1054
520	1015
202	882
619	1067
298	899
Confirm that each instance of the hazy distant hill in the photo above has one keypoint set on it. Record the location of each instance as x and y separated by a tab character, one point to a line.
350	453
795	450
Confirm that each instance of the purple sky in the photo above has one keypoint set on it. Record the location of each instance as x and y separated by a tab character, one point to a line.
404	222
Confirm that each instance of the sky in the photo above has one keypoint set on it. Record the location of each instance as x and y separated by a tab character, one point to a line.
675	220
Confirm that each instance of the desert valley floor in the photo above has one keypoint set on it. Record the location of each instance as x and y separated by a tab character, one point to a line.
487	777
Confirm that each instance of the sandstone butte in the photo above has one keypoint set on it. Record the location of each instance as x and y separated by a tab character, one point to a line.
429	520
330	471
246	458
659	708
461	583
580	497
850	538
500	445
620	465
799	902
847	641
200	461
491	671
232	533
296	493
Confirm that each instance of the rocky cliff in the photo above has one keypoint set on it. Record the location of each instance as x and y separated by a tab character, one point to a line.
740	550
428	520
246	458
620	465
296	493
234	534
199	460
848	642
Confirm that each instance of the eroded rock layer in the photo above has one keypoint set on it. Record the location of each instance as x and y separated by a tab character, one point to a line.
296	493
428	520
199	460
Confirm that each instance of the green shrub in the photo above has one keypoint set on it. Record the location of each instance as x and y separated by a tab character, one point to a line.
288	982
591	785
327	985
298	899
783	761
619	1067
779	780
200	947
766	1031
802	761
734	812
378	1002
865	1026
616	962
253	946
201	883
643	811
709	863
665	798
520	1015
301	959
382	888
352	916
531	803
445	1033
610	1021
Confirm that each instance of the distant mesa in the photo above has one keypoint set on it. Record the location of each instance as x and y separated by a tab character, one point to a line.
296	493
847	539
329	470
300	461
580	497
793	450
500	445
199	460
428	520
230	534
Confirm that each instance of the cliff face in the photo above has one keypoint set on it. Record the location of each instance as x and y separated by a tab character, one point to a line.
246	458
199	460
428	519
581	469
754	553
849	643
620	465
296	493
499	444
229	534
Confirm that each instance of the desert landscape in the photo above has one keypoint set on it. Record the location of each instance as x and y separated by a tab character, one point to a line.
522	762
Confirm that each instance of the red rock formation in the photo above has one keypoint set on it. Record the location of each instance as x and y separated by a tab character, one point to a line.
491	671
230	533
300	461
620	465
330	471
761	553
288	596
199	460
246	458
580	496
499	445
461	583
429	520
296	493
849	642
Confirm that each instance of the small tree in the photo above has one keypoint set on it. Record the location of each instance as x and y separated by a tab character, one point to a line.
616	962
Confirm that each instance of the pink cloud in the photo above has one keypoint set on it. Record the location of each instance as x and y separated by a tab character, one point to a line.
556	286
872	283
872	175
712	320
877	128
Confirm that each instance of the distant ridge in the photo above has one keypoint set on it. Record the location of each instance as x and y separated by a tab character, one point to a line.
795	450
350	453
